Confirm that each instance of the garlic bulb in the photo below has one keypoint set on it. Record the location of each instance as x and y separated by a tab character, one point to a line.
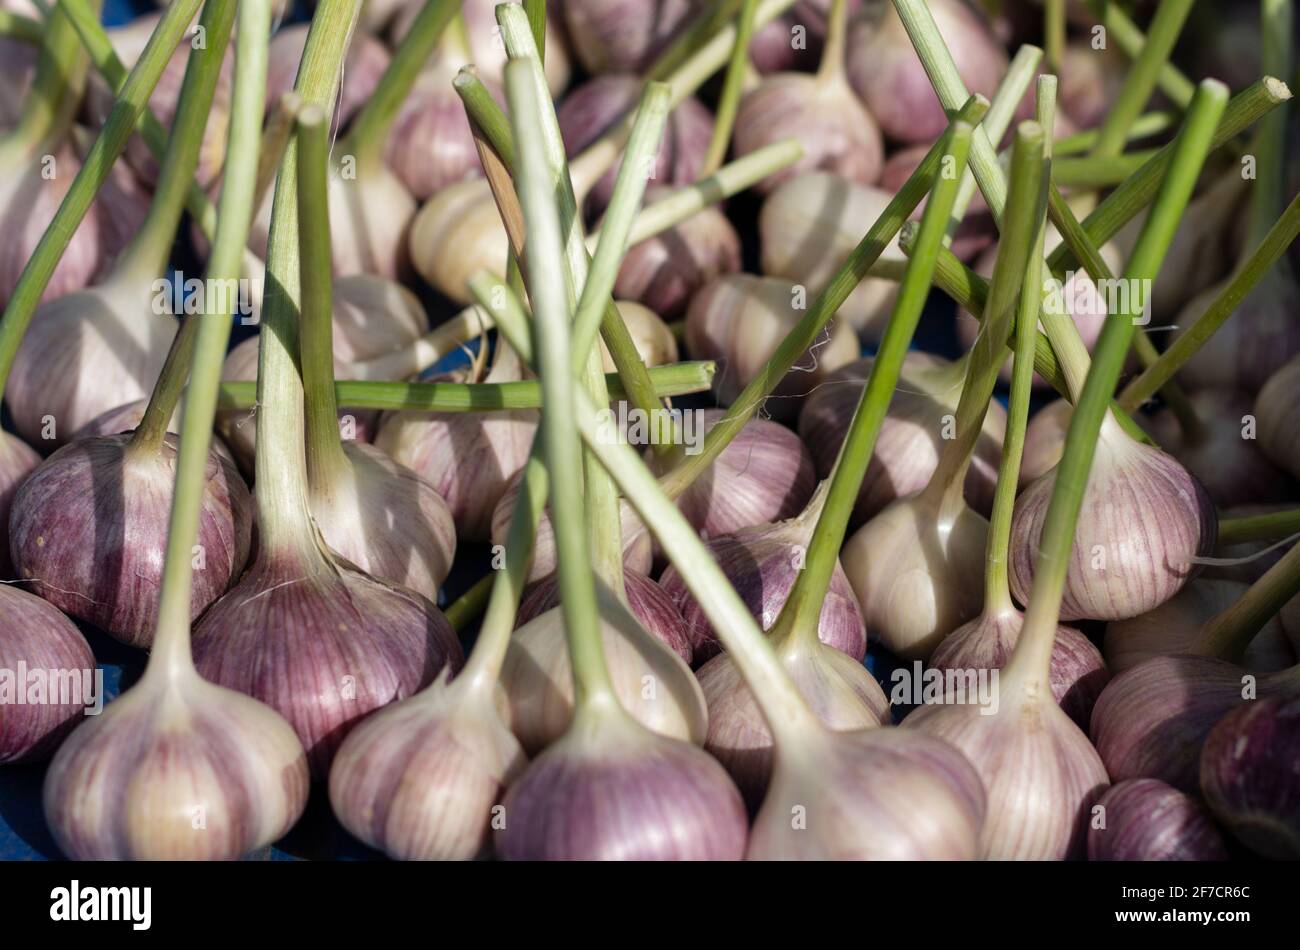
1248	776
888	76
739	320
1277	433
419	779
762	562
431	145
1045	440
922	411
1090	82
855	796
624	35
1078	672
85	353
366	61
126	419
373	316
89	528
387	520
609	791
176	768
470	458
1144	519
17	70
649	603
918	572
1146	820
977	231
39	709
456	234
322	644
654	684
1173	628
764	474
589	111
1040	773
836	686
654	342
665	271
772	50
807	228
17	461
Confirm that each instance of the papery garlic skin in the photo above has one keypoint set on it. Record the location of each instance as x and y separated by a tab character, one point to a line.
623	35
367	58
921	411
323	646
431	145
35	636
608	791
88	532
1174	627
837	688
1143	521
739	320
1040	772
917	574
86	353
1146	820
810	224
654	342
1078	672
654	684
456	234
1045	440
837	134
17	70
1279	437
419	779
373	316
385	519
857	797
176	770
17	461
649	603
1090	82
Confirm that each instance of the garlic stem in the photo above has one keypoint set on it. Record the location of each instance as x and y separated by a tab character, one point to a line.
831	67
1054	31
1248	277
1126	201
1032	655
828	301
1271	527
1145	126
171	645
536	11
1099	172
151	431
369	133
15	26
284	520
94	171
544	264
275	139
1140	82
56	90
733	85
802	609
1228	634
1177	88
1277	23
1019	234
711	18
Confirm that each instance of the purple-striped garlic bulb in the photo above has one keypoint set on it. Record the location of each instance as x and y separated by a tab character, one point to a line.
17	461
855	796
589	111
1174	626
911	436
918	571
665	271
322	644
1222	452
88	531
1248	775
772	48
470	458
1078	672
739	320
977	231
1144	819
1040	772
45	701
762	562
887	74
1045	440
618	36
1144	521
421	778
366	61
456	234
17	70
176	769
654	684
609	790
1278	435
373	316
654	341
808	227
